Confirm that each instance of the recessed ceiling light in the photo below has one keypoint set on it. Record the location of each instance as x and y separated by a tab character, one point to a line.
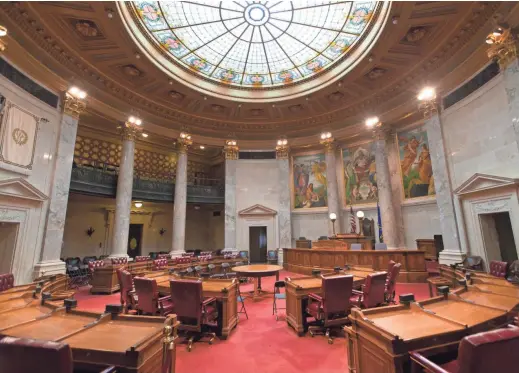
202	147
145	135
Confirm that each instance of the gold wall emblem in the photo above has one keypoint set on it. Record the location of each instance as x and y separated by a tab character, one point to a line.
20	137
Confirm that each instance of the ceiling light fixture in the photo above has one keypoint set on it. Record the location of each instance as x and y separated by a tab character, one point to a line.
138	204
145	135
77	93
231	149
427	94
202	147
502	45
372	122
427	98
3	31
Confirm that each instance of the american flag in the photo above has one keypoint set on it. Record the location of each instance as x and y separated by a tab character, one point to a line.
353	222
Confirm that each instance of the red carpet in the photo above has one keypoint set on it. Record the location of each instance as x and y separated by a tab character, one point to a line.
260	344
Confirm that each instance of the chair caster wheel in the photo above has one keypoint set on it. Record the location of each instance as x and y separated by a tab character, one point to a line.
210	342
189	349
330	341
311	334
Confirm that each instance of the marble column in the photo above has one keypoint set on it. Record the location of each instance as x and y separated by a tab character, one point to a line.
385	191
284	217
180	200
50	262
444	199
396	187
332	189
511	81
230	203
123	198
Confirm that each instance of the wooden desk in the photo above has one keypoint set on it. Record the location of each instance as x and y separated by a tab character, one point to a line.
429	247
303	244
297	290
304	260
379	339
132	343
348	239
104	280
225	292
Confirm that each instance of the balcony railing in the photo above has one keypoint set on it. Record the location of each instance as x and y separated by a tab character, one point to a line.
101	180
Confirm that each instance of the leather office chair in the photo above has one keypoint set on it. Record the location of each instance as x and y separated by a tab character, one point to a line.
391	279
193	311
373	291
6	281
356	246
498	268
390	266
119	261
272	257
432	267
160	264
513	272
149	300
128	296
142	258
163	256
332	307
93	265
492	351
380	246
472	262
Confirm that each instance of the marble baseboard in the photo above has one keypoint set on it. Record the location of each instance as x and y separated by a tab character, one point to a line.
50	267
451	257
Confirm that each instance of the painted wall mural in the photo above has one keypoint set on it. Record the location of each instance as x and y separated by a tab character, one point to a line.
415	162
360	178
309	181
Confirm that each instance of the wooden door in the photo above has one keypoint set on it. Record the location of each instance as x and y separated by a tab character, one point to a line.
135	240
258	244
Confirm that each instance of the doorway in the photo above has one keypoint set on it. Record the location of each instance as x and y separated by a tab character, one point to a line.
135	240
498	237
8	234
258	244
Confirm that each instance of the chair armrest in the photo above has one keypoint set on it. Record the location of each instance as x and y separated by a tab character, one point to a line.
356	292
163	299
315	297
419	359
208	301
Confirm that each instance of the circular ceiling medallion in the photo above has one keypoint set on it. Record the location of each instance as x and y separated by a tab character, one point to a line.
255	50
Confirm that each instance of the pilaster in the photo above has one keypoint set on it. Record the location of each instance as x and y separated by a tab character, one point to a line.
284	216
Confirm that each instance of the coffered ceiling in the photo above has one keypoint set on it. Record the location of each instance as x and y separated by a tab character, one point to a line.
437	43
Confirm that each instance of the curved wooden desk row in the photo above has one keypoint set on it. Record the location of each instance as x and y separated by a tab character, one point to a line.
380	339
131	343
104	279
304	260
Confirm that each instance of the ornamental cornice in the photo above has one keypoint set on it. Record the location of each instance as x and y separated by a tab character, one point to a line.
33	30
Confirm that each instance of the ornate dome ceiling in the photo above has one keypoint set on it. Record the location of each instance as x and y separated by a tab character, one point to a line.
256	46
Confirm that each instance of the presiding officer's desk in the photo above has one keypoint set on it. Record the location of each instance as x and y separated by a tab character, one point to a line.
305	260
379	339
298	288
224	290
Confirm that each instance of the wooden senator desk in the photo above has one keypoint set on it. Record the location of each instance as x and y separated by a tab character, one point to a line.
131	343
104	280
225	292
304	260
348	239
297	290
379	339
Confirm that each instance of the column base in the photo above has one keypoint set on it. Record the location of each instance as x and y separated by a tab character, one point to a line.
451	257
49	268
280	257
119	256
176	254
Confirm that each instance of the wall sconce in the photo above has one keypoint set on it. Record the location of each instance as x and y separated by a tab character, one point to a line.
90	231
162	231
333	217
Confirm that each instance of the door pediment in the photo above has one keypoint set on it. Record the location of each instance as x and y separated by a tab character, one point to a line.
257	210
481	182
21	188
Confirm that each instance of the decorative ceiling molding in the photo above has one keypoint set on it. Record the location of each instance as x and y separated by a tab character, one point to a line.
481	182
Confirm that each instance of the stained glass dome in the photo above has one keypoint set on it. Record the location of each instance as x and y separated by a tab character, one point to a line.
255	44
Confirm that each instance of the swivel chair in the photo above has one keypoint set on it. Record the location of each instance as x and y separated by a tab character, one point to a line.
373	291
149	302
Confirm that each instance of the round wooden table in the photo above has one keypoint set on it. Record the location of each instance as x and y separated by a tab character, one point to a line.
257	271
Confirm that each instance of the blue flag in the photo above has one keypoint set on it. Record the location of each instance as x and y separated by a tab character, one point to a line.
380	236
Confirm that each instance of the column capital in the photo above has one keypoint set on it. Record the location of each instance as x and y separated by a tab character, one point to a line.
503	45
231	151
329	146
129	131
183	145
383	132
282	152
74	106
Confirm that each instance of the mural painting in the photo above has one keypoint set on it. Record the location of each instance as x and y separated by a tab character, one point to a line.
309	181
415	162
360	178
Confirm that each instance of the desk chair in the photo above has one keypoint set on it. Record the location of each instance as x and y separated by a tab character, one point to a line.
193	311
373	291
149	302
492	351
332	307
210	268
128	296
433	268
380	246
6	281
199	270
391	279
272	257
356	246
244	255
225	267
190	271
278	295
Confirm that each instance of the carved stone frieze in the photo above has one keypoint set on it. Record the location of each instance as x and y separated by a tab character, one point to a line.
491	206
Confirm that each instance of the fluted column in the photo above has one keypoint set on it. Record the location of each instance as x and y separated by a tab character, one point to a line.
56	214
123	198
180	201
332	189
230	151
385	195
444	198
284	217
